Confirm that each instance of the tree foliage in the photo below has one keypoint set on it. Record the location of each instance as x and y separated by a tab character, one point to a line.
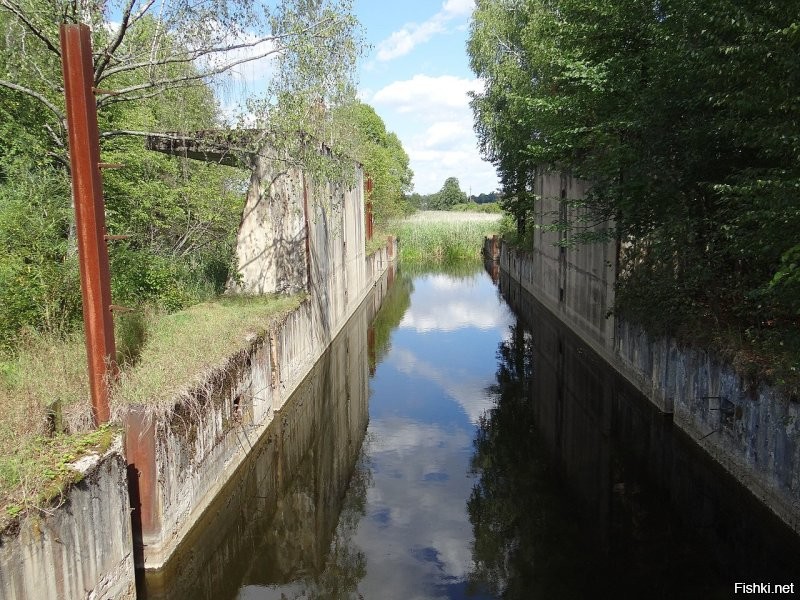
685	116
449	195
165	63
362	134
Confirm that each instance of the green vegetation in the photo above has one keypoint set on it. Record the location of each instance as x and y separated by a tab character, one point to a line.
685	117
364	137
450	197
443	237
44	389
489	207
34	472
181	348
182	216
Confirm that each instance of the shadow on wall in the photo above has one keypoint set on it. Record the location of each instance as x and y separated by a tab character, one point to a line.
644	503
301	487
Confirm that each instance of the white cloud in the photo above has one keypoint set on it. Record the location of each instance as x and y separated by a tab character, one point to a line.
451	317
446	133
433	97
469	392
447	146
458	8
403	41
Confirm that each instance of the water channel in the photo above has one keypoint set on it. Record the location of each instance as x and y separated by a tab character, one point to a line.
463	444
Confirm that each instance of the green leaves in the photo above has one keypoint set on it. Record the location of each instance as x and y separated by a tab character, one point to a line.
361	134
684	115
450	195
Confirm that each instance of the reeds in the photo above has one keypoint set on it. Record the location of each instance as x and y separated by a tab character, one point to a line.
440	237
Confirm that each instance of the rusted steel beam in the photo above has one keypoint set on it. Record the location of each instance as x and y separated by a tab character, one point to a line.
225	148
368	209
308	234
140	451
87	190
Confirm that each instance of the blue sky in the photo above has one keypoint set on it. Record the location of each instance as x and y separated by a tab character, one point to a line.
416	75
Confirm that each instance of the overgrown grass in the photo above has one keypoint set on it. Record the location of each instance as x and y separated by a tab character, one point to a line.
181	347
378	241
443	237
44	395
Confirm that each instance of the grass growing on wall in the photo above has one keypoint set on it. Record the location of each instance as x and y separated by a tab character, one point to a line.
444	237
160	356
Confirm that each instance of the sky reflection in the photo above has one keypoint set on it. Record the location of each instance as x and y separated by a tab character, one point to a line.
426	396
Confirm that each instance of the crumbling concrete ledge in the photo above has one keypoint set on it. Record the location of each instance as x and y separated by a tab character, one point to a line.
82	548
751	430
178	461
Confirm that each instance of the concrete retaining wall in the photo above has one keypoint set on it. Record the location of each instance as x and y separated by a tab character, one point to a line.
293	237
753	432
288	494
83	548
183	459
612	449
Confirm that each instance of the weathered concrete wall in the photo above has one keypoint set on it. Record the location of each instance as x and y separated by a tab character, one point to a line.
291	238
576	280
270	245
83	548
753	433
185	458
292	229
612	447
287	496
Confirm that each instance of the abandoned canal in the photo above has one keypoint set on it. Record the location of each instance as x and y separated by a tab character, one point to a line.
463	444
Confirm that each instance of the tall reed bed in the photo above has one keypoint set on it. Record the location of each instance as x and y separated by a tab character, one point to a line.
444	237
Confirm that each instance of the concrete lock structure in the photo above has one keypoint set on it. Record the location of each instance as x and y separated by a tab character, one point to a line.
751	430
139	500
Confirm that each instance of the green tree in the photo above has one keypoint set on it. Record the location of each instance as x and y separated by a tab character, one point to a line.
164	64
449	195
685	117
362	134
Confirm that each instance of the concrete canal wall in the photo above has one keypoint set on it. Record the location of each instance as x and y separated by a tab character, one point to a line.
617	453
182	459
288	494
751	430
136	503
80	549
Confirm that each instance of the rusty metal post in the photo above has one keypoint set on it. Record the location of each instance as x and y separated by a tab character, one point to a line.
307	225
87	190
140	450
368	211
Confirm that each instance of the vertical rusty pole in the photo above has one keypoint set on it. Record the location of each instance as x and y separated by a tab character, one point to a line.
140	450
309	280
368	205
87	190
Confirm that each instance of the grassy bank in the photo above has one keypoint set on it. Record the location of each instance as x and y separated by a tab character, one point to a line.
44	396
443	237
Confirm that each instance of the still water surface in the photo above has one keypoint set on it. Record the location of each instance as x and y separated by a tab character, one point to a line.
463	445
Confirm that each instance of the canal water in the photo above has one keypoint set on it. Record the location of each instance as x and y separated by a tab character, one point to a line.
463	444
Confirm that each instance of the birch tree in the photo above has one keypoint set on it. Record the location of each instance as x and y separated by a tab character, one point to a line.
144	48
